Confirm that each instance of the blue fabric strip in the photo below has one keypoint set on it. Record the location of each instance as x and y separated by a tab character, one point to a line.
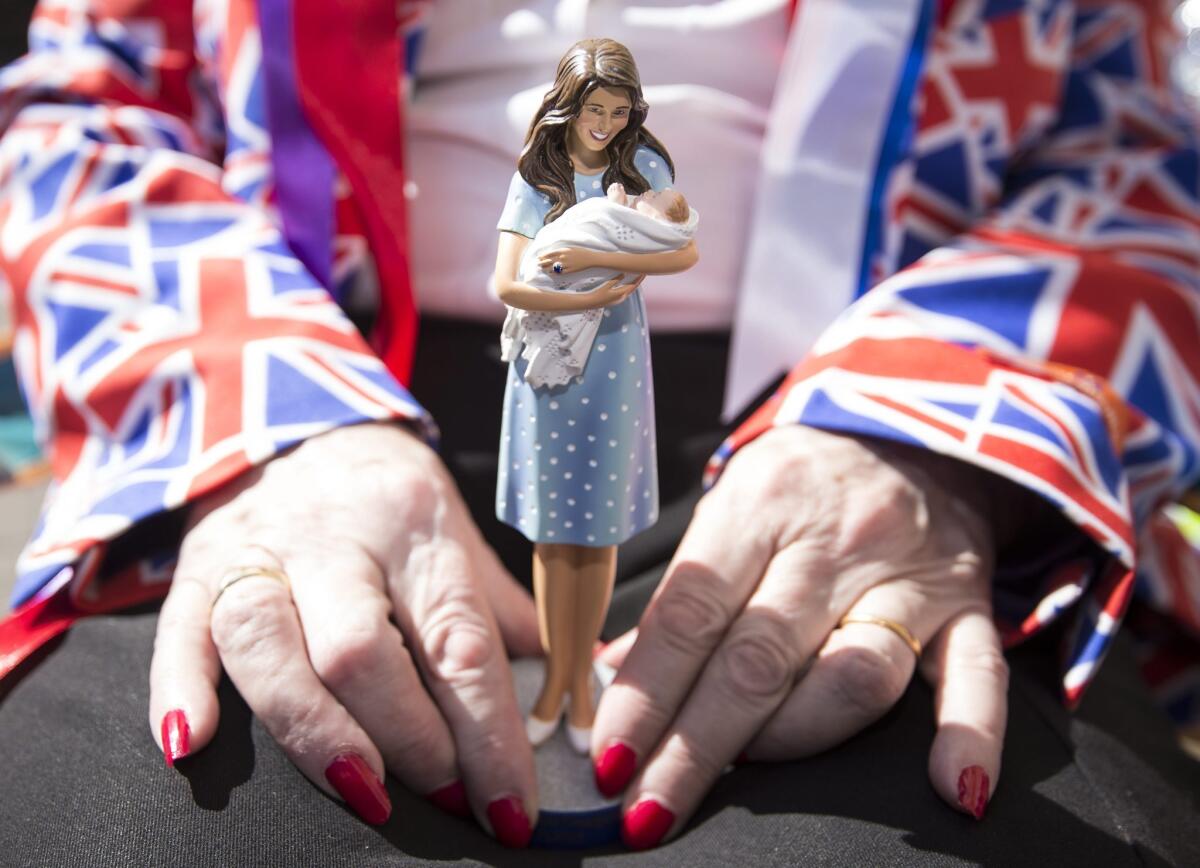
303	169
896	139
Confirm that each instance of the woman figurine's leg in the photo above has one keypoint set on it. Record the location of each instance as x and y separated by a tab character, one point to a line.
553	585
597	570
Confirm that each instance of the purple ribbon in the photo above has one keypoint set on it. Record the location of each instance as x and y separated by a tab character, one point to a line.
304	171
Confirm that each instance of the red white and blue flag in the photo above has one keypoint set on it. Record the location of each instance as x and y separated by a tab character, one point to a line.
1033	300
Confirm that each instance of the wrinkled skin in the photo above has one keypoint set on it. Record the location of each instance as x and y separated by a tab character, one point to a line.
390	642
740	648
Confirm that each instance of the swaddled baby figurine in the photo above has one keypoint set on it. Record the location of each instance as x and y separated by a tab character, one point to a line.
667	205
568	255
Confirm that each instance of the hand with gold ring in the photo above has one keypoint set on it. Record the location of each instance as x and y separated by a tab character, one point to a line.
345	590
237	574
818	574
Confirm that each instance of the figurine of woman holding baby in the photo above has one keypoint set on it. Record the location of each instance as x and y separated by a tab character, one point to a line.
590	213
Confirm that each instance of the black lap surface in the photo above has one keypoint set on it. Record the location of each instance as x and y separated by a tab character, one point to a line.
84	784
14	23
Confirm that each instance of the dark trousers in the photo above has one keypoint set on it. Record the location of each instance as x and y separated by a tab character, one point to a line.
83	783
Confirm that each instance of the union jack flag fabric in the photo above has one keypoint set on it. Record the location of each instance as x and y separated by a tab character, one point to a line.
167	337
1033	306
1032	303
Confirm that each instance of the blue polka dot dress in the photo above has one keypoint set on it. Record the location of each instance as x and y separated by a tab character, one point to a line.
577	462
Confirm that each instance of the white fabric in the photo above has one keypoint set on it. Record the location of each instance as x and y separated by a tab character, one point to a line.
709	69
556	345
837	87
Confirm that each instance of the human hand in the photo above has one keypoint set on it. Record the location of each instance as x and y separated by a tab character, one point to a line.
611	291
388	652
571	259
741	650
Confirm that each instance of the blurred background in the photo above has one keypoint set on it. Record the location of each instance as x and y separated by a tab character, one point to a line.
22	482
1187	67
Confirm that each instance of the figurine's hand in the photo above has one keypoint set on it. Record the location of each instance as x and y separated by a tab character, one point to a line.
571	259
741	649
611	291
616	193
388	649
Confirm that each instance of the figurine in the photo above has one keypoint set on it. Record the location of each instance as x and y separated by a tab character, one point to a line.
590	212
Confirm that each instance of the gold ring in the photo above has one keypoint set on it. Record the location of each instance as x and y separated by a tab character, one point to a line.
899	629
235	574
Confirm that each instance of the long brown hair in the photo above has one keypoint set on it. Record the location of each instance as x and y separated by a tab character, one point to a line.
545	164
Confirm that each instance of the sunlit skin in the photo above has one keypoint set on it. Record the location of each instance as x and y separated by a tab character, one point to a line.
604	114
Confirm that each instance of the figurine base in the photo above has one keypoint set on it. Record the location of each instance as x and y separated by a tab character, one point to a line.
572	812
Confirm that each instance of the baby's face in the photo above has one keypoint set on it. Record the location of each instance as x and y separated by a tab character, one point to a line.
668	205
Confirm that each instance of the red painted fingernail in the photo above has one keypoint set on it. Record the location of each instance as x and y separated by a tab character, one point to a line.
452	799
598	648
510	822
354	781
645	824
973	791
614	769
176	736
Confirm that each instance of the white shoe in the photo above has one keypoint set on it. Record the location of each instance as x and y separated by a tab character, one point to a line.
538	731
580	738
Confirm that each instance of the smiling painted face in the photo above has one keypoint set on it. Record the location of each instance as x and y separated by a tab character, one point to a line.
592	120
604	114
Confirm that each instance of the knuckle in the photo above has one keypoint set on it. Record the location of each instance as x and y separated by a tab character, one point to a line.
244	623
460	651
865	679
729	514
974	661
381	464
457	645
710	505
354	652
778	482
186	607
689	615
758	665
778	475
899	519
410	481
205	545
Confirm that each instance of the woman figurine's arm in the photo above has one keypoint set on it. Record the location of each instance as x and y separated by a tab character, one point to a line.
515	293
644	263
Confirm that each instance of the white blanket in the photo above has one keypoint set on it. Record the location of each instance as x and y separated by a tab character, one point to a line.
556	345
